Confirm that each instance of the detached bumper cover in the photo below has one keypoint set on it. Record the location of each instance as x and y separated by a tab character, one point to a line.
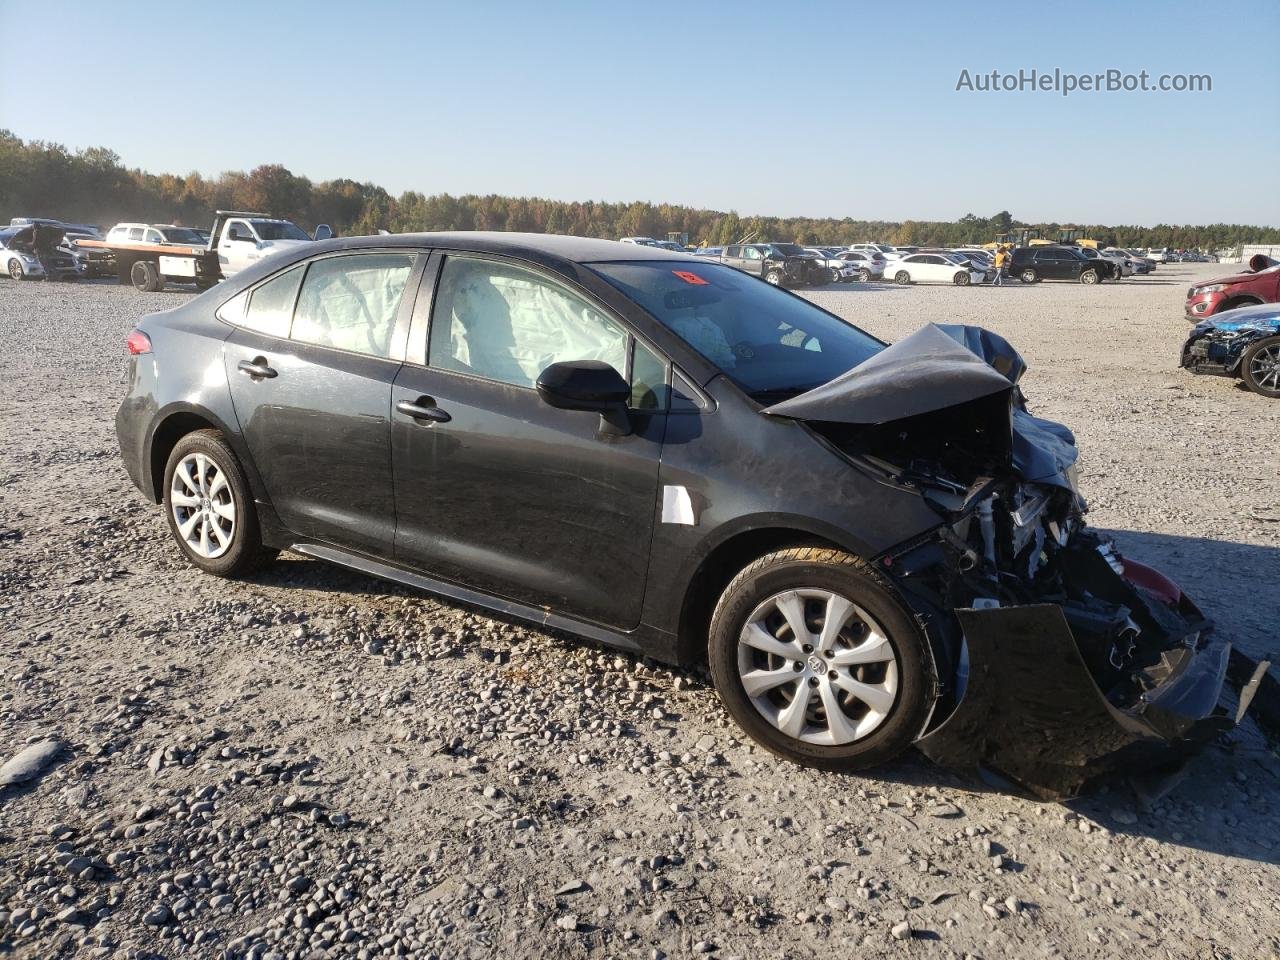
1032	714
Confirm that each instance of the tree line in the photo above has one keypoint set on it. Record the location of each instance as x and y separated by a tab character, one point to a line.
38	178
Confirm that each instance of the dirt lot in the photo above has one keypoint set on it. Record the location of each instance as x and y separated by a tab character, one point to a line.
319	764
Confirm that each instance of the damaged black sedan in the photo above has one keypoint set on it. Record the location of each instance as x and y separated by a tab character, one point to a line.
873	546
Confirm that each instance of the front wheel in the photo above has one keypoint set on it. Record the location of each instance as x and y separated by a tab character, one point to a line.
1028	276
818	661
1089	277
902	278
1260	367
210	510
962	279
15	270
773	277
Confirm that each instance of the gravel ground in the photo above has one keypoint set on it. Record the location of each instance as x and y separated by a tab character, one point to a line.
319	764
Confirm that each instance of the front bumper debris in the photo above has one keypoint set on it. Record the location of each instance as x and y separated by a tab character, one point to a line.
1032	715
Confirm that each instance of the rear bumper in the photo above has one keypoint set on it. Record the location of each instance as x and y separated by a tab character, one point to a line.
1032	715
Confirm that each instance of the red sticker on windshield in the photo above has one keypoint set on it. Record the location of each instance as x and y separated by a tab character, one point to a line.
688	277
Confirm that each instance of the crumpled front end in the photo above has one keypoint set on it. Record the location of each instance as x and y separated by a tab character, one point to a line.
1058	661
1217	346
1067	662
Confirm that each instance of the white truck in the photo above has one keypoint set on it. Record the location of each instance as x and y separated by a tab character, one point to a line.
237	240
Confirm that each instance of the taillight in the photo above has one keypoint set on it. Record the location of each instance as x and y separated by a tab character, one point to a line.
138	342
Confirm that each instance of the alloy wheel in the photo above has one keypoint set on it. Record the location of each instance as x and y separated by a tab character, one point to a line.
818	667
1264	367
203	507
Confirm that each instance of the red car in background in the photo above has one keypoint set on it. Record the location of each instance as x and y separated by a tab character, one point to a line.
1260	283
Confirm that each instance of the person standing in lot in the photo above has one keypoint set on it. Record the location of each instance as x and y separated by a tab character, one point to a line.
1001	256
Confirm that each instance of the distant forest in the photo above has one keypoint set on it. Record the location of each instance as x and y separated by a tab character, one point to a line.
92	186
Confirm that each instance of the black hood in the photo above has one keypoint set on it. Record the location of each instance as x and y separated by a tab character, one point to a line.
940	367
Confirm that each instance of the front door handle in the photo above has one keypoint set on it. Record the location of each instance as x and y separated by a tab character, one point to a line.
424	408
256	368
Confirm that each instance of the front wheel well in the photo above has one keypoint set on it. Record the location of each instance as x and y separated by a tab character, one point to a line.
166	437
720	566
1240	301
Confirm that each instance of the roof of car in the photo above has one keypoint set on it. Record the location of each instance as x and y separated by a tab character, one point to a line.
526	245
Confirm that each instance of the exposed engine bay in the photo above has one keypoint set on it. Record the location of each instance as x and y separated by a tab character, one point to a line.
1055	655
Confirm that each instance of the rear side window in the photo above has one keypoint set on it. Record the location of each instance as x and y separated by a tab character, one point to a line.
271	305
351	303
135	233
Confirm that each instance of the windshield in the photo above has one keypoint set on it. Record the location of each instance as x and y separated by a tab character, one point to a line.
180	235
769	342
278	230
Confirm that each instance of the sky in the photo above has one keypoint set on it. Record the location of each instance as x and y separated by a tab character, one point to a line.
823	110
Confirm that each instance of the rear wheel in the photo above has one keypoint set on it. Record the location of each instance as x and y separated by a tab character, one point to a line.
1260	367
210	510
818	661
1028	276
864	276
145	276
902	278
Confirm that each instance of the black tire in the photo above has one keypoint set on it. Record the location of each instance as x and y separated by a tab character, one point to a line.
1090	277
902	278
145	277
15	270
835	275
1272	347
962	278
832	570
773	277
246	552
1028	276
864	276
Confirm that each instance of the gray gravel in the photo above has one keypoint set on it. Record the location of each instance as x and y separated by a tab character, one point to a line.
319	764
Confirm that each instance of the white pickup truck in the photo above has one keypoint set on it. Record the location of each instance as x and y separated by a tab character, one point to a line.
237	240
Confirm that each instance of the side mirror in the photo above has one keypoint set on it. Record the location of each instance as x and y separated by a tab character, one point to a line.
323	232
588	385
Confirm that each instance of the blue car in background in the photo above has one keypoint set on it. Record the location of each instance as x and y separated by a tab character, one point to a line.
1242	343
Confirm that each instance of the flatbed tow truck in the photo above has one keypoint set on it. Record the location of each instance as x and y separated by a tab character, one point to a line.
237	239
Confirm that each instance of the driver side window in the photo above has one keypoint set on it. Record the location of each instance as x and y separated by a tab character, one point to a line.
501	322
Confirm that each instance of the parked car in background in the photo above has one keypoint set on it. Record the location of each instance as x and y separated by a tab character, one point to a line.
1141	264
884	249
640	241
94	262
781	264
1117	263
1259	282
30	252
652	451
935	268
1242	343
1053	262
840	271
870	266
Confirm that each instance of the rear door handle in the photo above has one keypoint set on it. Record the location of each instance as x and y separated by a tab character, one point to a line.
424	408
256	368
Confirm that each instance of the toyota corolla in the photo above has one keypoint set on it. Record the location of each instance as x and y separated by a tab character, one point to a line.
871	546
